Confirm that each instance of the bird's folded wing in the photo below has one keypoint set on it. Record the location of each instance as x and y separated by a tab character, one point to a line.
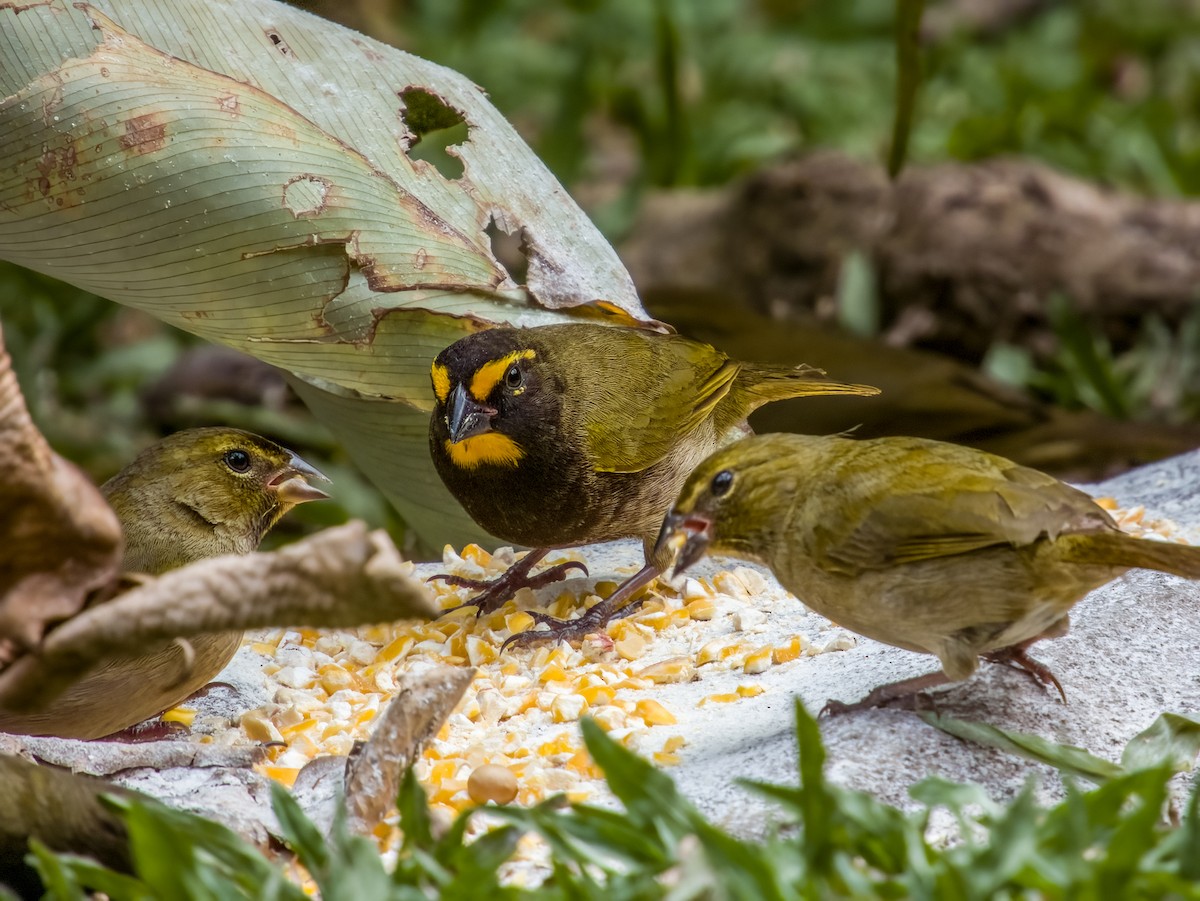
956	510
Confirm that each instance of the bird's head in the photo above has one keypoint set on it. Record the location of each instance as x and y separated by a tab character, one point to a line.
733	503
226	477
496	398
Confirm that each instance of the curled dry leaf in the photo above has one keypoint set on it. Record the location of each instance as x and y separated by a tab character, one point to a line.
59	540
242	171
410	721
338	578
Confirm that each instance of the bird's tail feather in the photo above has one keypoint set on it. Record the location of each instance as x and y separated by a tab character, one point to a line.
762	383
1119	549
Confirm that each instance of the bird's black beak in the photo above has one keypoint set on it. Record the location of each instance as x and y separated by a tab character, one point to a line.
467	417
291	483
697	531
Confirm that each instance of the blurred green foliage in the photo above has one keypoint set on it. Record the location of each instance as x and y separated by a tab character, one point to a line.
1107	89
827	841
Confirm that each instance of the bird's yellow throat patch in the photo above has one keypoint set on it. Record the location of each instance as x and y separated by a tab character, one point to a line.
488	375
441	381
490	447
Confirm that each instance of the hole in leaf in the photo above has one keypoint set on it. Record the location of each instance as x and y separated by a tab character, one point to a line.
279	42
509	250
434	126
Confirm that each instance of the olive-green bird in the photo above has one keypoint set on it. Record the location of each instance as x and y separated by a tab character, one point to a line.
566	434
919	544
196	494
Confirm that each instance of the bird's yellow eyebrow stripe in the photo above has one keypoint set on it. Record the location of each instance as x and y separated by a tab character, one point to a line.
441	381
487	376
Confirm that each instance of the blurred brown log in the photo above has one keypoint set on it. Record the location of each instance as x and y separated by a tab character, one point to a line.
964	255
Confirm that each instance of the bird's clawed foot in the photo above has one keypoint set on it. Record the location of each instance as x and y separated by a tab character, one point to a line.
1016	658
493	593
616	606
907	694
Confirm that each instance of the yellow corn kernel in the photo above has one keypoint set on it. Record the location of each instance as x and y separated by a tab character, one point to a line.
333	678
631	647
620	628
456	646
673	669
258	727
285	775
662	758
479	651
674	743
609	718
1108	503
296	728
442	770
560	745
605	589
597	695
715	650
264	647
581	762
552	673
563	604
786	653
723	698
182	715
656	620
758	661
567	708
654	713
701	609
750	691
476	554
394	650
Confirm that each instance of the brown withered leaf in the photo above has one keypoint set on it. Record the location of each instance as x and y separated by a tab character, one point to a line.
338	578
59	540
410	721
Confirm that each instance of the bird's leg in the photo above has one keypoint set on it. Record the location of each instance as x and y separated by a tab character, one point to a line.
493	593
153	729
594	620
908	690
1015	657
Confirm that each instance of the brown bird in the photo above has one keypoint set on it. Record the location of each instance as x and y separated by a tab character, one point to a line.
919	544
196	494
567	434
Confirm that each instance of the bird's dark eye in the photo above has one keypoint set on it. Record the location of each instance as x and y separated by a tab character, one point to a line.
237	460
514	378
721	483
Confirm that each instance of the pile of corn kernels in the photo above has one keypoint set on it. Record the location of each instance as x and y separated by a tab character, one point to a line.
521	711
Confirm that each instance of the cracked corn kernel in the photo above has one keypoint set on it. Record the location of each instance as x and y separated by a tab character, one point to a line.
185	716
567	708
631	647
492	782
749	691
654	713
758	662
785	653
671	670
701	609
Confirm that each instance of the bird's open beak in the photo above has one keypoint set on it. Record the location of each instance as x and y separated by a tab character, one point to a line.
695	531
291	484
467	417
